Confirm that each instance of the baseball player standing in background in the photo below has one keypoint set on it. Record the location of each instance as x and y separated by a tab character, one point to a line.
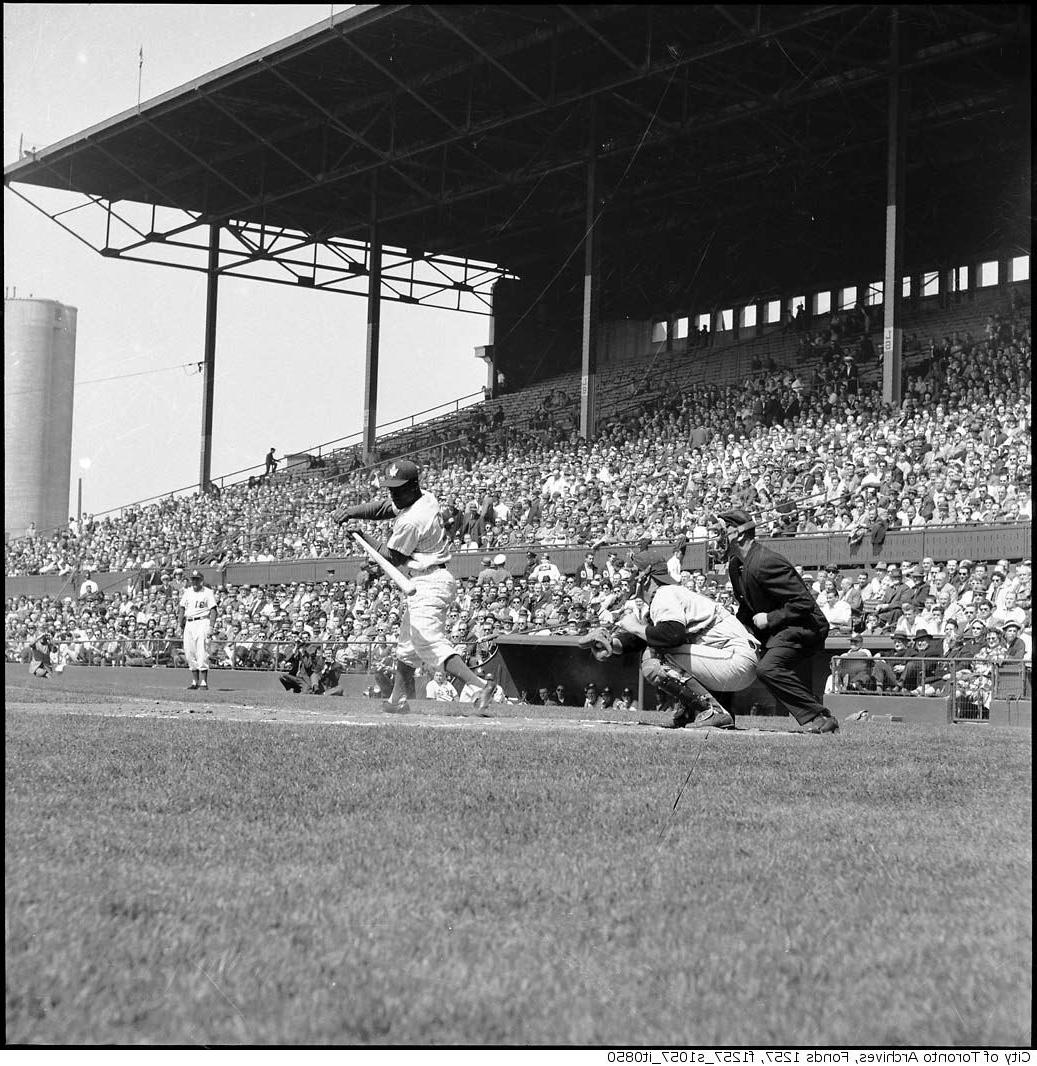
197	616
417	542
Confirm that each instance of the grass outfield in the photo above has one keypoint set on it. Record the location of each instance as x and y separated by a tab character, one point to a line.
202	881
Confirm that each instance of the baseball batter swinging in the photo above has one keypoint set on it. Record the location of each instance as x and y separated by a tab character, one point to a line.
417	543
197	616
692	645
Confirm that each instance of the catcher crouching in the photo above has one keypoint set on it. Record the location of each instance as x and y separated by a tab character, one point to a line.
691	646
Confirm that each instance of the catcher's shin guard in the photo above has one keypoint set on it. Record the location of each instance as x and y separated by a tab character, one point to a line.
671	679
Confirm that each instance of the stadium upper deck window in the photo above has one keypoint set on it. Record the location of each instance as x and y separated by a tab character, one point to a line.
772	311
848	298
988	274
794	303
703	320
931	283
958	279
905	286
660	331
727	319
874	293
681	328
1019	268
749	316
822	303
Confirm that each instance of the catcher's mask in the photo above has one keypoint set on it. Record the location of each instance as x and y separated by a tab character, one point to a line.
725	528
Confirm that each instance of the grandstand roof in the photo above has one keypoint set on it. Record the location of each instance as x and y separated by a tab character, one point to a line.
756	133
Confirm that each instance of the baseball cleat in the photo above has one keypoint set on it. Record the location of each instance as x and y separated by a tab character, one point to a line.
713	718
679	717
192	688
482	704
395	708
823	723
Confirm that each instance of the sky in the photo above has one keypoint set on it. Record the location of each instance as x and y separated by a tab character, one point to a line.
289	364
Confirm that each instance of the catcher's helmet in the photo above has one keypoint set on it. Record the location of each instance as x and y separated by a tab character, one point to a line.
649	565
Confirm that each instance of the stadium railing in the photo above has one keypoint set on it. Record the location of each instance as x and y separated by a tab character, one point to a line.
970	684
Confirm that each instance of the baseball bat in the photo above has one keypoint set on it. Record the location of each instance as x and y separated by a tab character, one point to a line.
395	575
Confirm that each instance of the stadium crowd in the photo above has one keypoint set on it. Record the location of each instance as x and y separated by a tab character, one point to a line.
807	449
815	449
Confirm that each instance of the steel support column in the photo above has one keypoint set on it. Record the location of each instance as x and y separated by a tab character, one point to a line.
212	279
892	334
591	287
374	325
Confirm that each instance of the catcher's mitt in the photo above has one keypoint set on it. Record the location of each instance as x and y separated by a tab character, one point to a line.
599	642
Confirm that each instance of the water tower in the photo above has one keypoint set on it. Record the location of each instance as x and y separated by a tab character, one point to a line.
39	374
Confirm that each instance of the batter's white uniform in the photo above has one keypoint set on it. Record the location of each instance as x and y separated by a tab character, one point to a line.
197	606
720	653
418	533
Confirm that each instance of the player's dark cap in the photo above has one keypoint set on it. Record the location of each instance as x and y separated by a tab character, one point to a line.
738	518
400	472
652	563
197	574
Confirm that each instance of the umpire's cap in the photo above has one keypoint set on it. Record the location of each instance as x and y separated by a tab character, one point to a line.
399	472
738	518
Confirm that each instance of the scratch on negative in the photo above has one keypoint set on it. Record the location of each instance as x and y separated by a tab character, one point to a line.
690	772
220	990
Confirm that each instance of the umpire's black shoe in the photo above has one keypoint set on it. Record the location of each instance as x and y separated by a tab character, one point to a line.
823	723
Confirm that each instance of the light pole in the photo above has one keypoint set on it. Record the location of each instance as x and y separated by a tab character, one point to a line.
84	465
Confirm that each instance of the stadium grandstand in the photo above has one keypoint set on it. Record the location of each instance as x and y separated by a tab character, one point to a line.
772	258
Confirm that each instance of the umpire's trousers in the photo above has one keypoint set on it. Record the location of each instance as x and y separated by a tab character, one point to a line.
777	670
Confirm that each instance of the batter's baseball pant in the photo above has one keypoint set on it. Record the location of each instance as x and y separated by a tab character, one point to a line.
423	636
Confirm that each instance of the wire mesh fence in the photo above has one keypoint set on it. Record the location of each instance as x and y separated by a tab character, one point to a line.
971	684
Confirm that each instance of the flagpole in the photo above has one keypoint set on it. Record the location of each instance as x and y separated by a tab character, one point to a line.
140	72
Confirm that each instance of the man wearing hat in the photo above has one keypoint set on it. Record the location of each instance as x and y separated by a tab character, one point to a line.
923	669
776	606
303	668
196	617
1015	646
500	569
418	543
487	575
692	646
852	666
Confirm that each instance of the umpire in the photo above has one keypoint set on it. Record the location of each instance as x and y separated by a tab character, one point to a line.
775	605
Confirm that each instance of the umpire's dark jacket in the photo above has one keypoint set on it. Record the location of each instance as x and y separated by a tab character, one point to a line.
769	583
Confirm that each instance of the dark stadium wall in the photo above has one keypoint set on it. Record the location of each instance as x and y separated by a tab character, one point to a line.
536	328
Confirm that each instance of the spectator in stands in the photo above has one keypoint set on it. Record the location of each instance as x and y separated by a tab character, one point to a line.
40	656
851	667
302	669
440	689
1015	646
271	463
923	670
